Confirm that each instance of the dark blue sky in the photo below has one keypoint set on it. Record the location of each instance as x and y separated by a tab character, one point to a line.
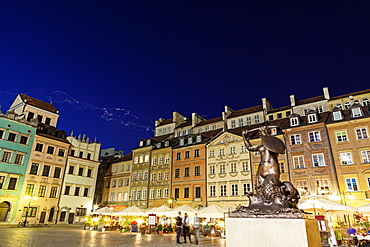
151	58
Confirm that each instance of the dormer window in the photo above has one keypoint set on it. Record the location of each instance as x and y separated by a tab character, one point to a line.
190	140
339	105
182	142
141	143
347	105
199	138
294	121
159	145
356	110
273	131
312	118
167	143
148	142
337	115
365	102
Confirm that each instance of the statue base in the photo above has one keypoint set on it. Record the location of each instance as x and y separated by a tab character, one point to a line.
267	232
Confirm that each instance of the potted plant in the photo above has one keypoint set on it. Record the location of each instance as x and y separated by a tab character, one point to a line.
160	229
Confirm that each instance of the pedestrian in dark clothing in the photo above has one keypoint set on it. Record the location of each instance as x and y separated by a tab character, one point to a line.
178	228
186	227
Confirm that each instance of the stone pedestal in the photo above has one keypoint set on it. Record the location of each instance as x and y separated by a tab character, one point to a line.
268	232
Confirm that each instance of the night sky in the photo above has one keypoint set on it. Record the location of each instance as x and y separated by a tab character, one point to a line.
114	67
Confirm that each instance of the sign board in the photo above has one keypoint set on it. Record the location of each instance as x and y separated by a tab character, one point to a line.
151	220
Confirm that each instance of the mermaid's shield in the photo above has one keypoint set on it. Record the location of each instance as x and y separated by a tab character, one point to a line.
273	144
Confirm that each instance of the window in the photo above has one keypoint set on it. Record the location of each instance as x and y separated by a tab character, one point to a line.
46	171
159	193
271	117
71	169
57	172
241	122
186	172
318	160
294	121
12	183
47	121
341	136
295	139
2	181
145	175
177	193
86	192
190	140
120	182
245	166
347	105
159	175
233	167
197	192
222	152
165	193
212	190
12	137
246	189
222	168
112	196
298	162
152	177
181	142
322	186
212	169
67	189
127	181
196	153
320	109
6	157
29	189
61	152
80	211
248	120
351	184
365	155
30	211
39	117
187	154
256	119
30	116
234	189
312	118
197	171
23	140
115	169
167	159
53	192
337	115
302	187
178	156
42	191
160	160
346	158
166	175
177	173
133	195
39	147
232	150
361	133
282	167
186	193
222	190
89	173
212	153
114	183
244	149
19	159
139	176
80	171
1	134
365	102
356	112
50	150
314	136
151	194
138	195
154	161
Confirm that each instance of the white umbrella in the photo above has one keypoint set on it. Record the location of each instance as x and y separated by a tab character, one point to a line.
162	210
103	211
324	204
130	211
364	208
212	211
183	209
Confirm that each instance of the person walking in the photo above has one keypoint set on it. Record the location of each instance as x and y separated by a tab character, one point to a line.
178	228
196	228
186	227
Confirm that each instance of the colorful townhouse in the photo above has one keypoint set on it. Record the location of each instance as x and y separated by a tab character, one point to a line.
16	140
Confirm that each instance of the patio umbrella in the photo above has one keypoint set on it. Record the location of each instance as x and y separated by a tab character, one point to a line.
103	211
162	210
212	211
324	204
130	211
183	209
364	208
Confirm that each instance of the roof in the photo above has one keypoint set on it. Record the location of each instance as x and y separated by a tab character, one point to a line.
349	94
246	111
166	121
279	109
347	115
127	157
207	136
209	121
38	103
310	100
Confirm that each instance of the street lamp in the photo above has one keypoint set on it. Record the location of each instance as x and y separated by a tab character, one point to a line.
28	208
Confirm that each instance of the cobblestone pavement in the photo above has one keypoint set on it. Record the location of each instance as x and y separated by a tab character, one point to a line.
75	236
